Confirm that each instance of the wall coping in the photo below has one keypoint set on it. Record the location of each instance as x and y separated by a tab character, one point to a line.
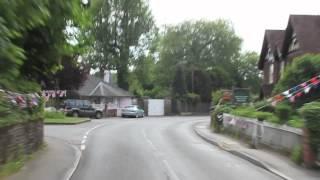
270	125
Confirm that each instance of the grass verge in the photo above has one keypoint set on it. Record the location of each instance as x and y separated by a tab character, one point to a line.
66	120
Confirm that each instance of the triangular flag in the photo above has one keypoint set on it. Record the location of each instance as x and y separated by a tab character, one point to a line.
299	94
274	103
307	89
286	93
292	99
303	84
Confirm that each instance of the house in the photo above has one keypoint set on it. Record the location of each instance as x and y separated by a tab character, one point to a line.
280	47
101	91
271	61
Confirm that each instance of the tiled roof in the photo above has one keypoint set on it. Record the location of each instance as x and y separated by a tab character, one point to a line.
274	40
307	29
94	86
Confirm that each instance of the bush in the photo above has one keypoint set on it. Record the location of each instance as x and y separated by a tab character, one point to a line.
296	154
264	106
302	69
283	112
296	122
310	112
192	98
54	115
244	112
250	112
214	120
216	96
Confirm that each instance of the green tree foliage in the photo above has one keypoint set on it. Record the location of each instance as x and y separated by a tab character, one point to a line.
179	88
302	69
34	37
247	75
119	26
310	113
206	49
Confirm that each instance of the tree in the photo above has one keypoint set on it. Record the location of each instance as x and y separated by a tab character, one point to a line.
207	50
34	37
179	83
248	75
119	26
70	77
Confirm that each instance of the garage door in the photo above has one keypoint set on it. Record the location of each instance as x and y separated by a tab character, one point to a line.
156	107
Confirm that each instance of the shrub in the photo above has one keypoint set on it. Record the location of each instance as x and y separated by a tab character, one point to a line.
244	112
310	112
302	69
192	98
296	122
264	106
250	112
283	112
54	115
296	154
216	96
214	119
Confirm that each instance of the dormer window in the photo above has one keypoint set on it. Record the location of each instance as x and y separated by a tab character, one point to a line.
271	73
270	56
294	43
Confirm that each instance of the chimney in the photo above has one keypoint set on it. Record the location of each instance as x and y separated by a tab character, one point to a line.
107	76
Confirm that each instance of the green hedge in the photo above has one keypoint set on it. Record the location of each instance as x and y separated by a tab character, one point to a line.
54	115
311	114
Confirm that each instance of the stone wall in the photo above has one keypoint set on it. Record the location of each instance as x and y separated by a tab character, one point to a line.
19	139
277	137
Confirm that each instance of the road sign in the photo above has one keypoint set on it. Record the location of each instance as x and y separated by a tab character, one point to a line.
241	95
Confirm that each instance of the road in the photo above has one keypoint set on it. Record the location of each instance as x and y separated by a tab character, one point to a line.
153	148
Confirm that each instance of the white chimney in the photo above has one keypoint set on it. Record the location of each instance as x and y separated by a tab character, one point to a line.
107	76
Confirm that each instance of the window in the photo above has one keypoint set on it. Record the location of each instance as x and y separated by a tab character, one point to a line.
271	73
282	66
294	43
270	56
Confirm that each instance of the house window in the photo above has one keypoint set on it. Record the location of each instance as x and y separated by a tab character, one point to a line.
271	73
270	56
282	66
294	43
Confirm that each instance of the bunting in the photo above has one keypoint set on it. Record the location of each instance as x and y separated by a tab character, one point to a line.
297	91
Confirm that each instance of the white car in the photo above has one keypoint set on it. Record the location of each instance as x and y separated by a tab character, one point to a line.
132	111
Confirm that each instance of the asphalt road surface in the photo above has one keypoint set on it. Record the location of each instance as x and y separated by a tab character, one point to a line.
153	148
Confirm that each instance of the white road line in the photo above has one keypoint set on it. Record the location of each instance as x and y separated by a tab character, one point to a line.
169	171
79	152
83	147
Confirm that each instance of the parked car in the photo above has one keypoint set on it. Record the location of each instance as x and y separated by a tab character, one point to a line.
132	111
81	108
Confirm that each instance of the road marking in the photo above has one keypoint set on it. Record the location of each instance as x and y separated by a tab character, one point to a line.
83	147
79	152
169	171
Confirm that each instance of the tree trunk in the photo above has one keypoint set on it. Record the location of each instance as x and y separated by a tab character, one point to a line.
122	69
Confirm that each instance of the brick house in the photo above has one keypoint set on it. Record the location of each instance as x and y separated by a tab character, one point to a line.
271	62
280	47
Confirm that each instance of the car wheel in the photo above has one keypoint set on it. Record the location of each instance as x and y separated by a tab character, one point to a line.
137	115
75	114
98	115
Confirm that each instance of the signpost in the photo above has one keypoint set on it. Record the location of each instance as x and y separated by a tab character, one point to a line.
241	95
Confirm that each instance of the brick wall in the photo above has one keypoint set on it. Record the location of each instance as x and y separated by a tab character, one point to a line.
18	139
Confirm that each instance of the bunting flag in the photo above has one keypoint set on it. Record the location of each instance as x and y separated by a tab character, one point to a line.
297	91
53	94
22	100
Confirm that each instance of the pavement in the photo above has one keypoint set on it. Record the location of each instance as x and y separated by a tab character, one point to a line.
267	159
150	148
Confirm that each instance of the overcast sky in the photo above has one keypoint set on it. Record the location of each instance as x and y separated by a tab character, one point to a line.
249	17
